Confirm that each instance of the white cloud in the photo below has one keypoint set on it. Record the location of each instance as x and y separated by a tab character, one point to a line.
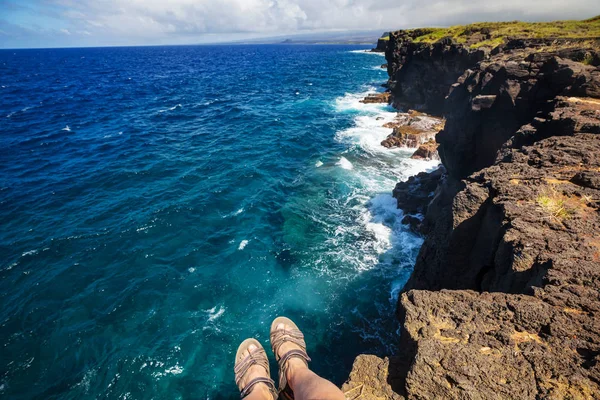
156	17
192	21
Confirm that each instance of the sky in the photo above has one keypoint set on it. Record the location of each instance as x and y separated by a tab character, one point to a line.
68	23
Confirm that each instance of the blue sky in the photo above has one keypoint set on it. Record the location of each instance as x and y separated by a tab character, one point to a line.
64	23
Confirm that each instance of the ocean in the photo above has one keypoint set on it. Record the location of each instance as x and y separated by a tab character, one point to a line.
161	204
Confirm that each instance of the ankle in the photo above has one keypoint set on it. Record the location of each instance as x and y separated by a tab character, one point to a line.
295	368
260	391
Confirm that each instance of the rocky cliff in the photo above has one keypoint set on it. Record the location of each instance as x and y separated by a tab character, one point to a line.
505	293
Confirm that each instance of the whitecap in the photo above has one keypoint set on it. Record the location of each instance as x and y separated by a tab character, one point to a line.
174	370
30	253
377	53
243	244
234	213
171	108
351	102
215	313
344	163
66	128
319	164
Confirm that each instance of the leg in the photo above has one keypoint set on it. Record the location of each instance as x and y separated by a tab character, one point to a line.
305	384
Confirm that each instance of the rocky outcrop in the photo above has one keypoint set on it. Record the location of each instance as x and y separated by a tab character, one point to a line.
421	74
381	45
370	379
377	98
504	297
414	194
487	105
412	129
467	345
427	151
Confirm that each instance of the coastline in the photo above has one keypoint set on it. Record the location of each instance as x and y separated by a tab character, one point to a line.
494	305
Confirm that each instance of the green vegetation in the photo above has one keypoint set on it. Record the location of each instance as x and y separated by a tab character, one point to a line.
385	38
588	59
554	204
491	34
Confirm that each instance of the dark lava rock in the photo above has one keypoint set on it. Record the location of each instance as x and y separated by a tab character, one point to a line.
414	195
504	299
489	104
421	74
467	345
529	224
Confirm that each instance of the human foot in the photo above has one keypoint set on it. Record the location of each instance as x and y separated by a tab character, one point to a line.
252	374
289	347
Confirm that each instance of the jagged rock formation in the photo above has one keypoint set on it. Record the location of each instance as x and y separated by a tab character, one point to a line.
420	74
504	298
412	129
382	43
414	194
377	98
427	151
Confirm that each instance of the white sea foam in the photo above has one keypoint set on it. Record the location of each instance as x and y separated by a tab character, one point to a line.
243	244
234	213
171	108
319	164
174	370
367	52
66	128
344	163
352	102
215	313
368	132
375	236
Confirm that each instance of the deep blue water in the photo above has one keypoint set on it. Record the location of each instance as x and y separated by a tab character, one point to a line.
159	205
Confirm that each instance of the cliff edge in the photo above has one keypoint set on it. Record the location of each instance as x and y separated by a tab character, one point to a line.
505	292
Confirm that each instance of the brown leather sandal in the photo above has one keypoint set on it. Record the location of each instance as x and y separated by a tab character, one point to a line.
242	365
279	337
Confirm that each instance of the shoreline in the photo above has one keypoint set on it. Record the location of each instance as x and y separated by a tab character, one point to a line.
495	282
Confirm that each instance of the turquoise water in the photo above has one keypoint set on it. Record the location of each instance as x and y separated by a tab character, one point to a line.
161	204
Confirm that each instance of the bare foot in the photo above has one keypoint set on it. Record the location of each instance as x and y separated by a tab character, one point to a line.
260	389
294	364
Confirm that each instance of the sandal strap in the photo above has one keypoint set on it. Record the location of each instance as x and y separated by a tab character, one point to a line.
283	366
261	379
281	336
256	357
301	354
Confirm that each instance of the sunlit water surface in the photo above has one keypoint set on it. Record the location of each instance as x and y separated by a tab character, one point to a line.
158	205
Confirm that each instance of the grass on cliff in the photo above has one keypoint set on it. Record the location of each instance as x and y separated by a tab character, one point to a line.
562	207
499	31
554	204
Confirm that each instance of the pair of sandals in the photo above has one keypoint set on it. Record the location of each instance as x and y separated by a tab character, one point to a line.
258	356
